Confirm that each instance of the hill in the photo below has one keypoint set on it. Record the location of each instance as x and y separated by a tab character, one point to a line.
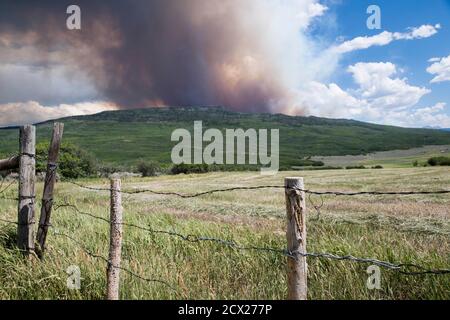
124	137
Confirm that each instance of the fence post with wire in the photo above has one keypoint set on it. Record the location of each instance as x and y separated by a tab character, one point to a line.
115	246
27	195
25	163
295	252
296	238
49	185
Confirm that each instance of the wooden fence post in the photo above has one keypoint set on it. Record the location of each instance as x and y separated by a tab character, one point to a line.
115	247
50	179
27	168
296	238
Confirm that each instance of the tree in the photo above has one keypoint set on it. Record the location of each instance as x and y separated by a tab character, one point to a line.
73	163
148	168
190	168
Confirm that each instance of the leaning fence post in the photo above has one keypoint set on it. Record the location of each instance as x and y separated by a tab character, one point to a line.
115	247
296	238
50	179
27	168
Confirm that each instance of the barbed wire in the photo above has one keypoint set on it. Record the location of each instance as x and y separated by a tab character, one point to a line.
400	267
80	245
316	206
7	186
96	256
311	192
320	193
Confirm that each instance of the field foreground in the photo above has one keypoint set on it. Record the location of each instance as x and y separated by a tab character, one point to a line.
400	229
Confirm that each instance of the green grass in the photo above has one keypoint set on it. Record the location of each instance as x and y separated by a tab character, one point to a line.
390	159
411	229
124	137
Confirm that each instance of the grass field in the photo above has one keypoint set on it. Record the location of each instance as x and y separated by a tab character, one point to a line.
122	138
389	159
408	229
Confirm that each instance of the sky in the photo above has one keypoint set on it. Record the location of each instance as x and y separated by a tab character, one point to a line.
297	57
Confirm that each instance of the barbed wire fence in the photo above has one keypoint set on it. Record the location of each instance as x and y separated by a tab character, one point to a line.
400	267
294	256
407	269
295	252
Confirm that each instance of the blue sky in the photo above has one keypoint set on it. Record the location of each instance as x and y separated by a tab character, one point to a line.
413	56
346	20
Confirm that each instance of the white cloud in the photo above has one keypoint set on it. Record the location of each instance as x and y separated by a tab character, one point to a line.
434	116
313	10
385	38
424	31
378	86
33	112
330	101
381	97
440	68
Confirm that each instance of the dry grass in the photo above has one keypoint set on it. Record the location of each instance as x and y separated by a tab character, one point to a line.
407	229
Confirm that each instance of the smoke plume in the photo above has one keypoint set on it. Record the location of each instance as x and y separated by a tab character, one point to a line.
247	55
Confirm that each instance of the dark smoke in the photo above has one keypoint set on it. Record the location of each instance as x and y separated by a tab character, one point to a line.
157	52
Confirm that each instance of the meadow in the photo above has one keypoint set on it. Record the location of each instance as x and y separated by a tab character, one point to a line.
389	159
145	134
406	229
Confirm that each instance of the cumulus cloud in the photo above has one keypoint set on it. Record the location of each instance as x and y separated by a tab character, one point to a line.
440	68
385	38
378	85
381	96
330	101
434	116
14	114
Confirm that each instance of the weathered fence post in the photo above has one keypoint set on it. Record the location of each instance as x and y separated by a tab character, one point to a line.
115	247
27	167
296	238
50	179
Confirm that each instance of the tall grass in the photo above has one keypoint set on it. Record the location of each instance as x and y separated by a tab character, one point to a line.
206	270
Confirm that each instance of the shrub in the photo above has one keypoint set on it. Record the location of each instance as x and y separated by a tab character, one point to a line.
432	162
377	167
73	163
308	162
148	168
439	161
415	163
190	168
355	167
315	168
